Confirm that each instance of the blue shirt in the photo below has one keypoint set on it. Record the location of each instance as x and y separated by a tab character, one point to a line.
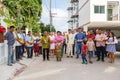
10	38
80	36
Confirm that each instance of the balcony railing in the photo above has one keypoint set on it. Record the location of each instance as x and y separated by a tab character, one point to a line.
72	1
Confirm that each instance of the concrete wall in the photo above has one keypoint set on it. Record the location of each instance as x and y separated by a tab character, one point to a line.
84	13
3	46
98	17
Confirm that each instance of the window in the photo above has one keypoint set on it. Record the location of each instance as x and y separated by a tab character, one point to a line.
99	9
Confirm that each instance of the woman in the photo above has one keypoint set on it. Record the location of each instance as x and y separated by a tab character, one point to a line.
36	44
52	44
111	46
58	45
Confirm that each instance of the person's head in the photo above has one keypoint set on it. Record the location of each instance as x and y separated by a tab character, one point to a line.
99	31
45	33
51	33
12	28
29	32
35	34
69	30
18	30
90	39
58	33
80	30
91	31
111	34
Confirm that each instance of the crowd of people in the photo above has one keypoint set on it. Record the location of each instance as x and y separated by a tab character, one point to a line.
72	43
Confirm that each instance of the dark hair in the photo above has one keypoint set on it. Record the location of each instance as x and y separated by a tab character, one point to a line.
79	28
113	35
58	32
12	27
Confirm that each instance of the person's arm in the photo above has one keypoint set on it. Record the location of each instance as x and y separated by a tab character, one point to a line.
75	38
6	36
94	46
86	50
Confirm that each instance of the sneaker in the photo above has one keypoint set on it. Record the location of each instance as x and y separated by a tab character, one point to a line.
86	62
83	63
9	64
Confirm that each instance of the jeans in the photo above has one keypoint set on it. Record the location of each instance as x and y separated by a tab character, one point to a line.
18	52
10	54
84	58
78	49
29	52
22	50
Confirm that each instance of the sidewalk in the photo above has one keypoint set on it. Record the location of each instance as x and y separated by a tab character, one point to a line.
9	72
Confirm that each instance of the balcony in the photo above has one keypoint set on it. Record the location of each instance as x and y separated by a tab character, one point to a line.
72	1
74	16
70	21
113	11
70	8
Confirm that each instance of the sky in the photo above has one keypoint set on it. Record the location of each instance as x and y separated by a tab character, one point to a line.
59	10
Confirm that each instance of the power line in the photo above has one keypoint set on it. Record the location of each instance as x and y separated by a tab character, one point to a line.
46	6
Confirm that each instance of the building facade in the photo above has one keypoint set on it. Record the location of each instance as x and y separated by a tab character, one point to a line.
104	14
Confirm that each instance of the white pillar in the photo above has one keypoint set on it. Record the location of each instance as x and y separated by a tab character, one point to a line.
85	28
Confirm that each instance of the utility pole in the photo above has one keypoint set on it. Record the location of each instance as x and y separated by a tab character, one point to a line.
50	15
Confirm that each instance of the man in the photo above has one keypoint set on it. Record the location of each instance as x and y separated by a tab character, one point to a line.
46	45
79	38
11	40
100	39
70	42
29	46
23	38
18	45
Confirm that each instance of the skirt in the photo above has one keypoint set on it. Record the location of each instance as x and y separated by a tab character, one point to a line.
111	48
36	48
58	52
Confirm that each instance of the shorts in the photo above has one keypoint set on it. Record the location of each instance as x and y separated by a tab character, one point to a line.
90	54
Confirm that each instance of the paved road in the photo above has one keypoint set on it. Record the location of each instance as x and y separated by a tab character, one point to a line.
71	69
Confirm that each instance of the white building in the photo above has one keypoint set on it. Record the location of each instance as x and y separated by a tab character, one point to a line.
103	14
99	13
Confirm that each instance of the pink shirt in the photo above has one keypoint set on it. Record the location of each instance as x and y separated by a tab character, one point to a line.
100	39
59	38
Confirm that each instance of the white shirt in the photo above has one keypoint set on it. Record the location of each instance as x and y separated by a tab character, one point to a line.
70	38
16	42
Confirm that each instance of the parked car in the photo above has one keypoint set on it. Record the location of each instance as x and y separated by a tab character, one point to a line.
118	45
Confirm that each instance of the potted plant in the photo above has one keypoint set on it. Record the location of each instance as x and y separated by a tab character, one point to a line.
2	31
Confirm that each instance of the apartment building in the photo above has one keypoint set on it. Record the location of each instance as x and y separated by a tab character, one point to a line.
72	16
104	14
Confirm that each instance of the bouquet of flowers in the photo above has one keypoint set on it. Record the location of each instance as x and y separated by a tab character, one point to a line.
2	29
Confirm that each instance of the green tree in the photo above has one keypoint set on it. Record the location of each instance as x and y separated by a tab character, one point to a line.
23	12
47	28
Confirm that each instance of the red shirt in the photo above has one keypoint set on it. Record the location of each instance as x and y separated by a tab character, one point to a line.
91	36
84	49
